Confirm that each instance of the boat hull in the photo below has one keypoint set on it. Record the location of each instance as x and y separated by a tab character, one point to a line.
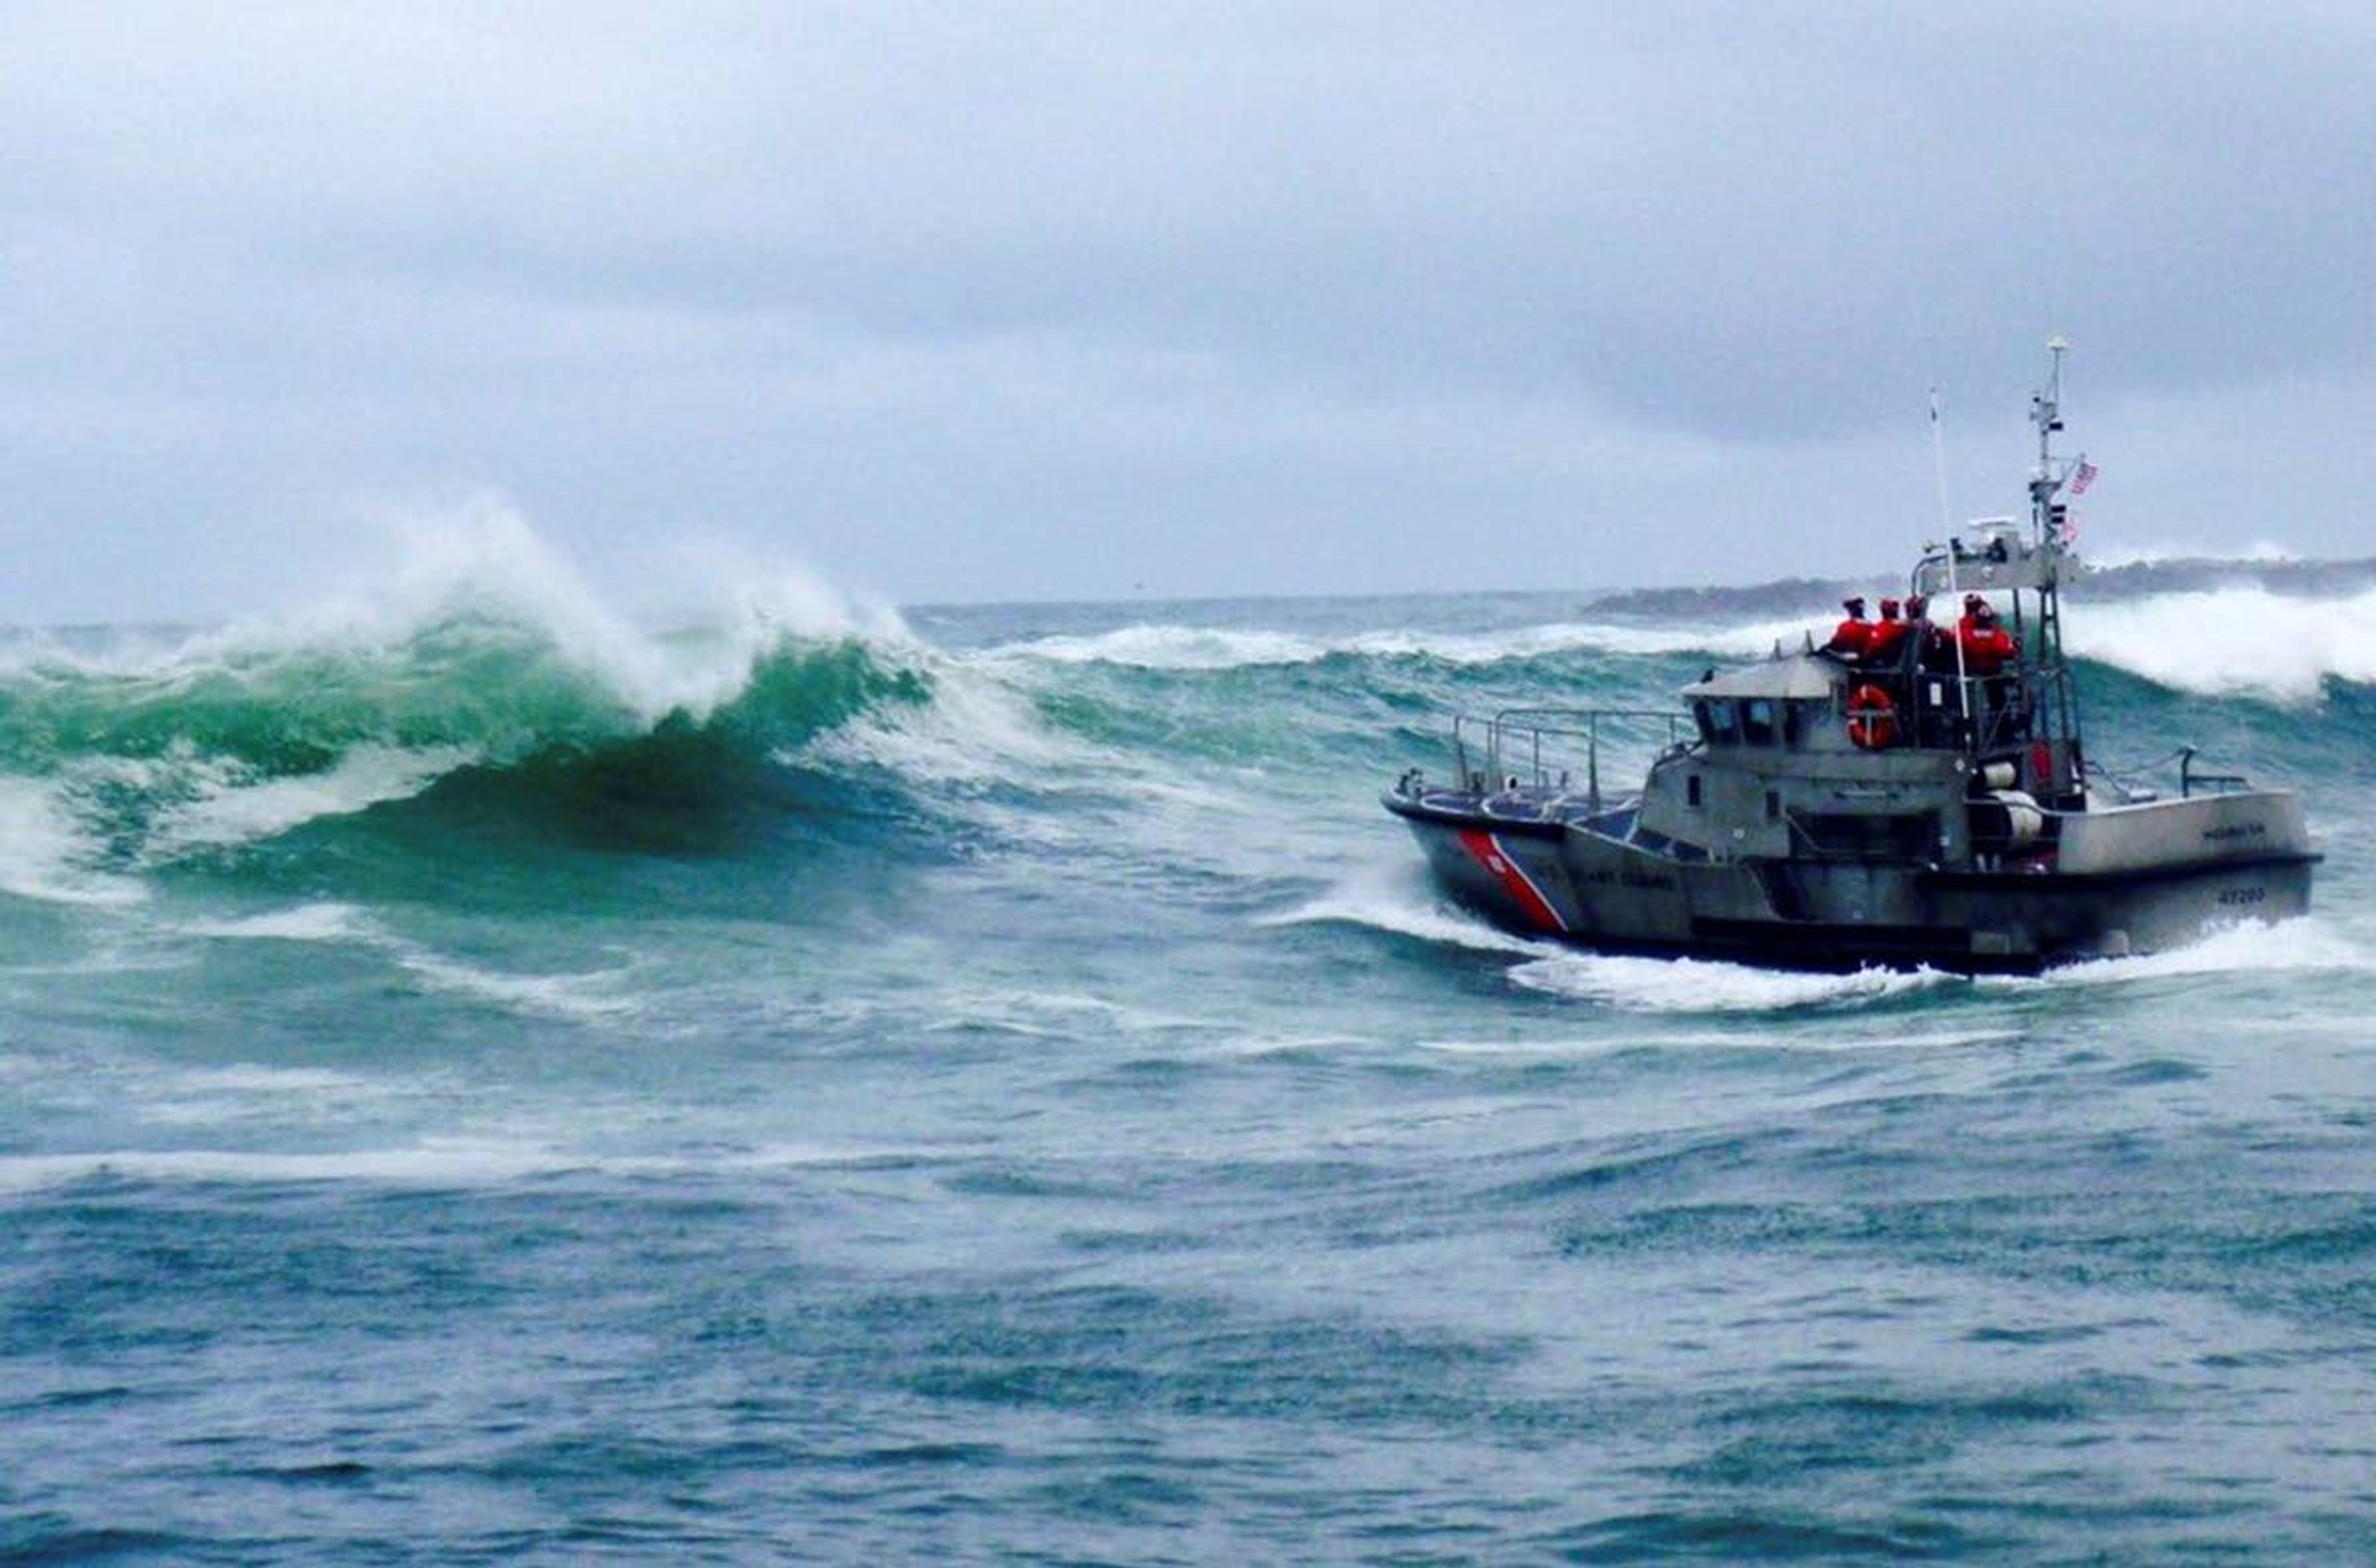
2130	880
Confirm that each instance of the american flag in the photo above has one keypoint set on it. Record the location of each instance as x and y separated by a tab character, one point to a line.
2082	477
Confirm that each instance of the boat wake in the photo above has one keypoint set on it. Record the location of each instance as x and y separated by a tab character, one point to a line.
2309	944
1394	901
1708	985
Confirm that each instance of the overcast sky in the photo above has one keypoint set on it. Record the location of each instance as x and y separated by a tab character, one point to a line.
957	302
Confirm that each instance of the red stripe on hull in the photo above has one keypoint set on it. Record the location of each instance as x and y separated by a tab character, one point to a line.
1486	852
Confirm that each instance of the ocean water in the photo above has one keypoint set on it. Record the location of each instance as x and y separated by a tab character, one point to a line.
483	1077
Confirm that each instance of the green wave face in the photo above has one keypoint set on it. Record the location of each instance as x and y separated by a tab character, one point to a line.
277	713
155	757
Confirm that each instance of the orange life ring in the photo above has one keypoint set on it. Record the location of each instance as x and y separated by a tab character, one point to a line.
1872	718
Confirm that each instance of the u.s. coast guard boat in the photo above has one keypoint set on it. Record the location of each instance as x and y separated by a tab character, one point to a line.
1931	803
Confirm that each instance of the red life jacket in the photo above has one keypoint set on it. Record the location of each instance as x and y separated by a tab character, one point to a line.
1987	649
1853	637
1881	644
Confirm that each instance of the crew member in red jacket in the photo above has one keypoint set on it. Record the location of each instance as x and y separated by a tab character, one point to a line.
1853	635
1888	636
1988	647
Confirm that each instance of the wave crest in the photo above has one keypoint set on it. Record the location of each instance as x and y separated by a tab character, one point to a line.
2241	639
1193	648
482	651
2233	642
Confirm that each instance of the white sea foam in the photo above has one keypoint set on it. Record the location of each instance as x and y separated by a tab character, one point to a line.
481	563
2308	946
2238	640
1889	1036
481	559
982	731
578	996
253	1078
322	921
230	810
444	1161
1393	899
1172	647
253	1094
454	1162
1686	985
1052	1015
2110	556
43	851
1696	985
1211	648
976	728
581	997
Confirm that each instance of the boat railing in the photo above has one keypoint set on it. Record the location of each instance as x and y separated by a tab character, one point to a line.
1559	748
2192	779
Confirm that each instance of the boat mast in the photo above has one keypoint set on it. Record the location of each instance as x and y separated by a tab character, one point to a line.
2058	702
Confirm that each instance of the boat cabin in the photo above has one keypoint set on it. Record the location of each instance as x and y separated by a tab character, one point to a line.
1802	756
1794	703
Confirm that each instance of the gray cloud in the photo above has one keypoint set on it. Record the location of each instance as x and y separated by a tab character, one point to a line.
1031	300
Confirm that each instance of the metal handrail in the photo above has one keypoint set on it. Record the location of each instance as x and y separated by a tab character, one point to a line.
1534	737
2189	780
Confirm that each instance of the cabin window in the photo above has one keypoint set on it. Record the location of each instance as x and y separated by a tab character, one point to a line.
1723	723
1757	725
1691	789
1773	806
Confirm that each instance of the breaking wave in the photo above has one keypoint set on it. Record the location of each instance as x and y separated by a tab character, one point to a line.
2240	641
482	655
1217	648
2237	641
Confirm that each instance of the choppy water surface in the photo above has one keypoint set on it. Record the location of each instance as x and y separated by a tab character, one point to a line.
484	1080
